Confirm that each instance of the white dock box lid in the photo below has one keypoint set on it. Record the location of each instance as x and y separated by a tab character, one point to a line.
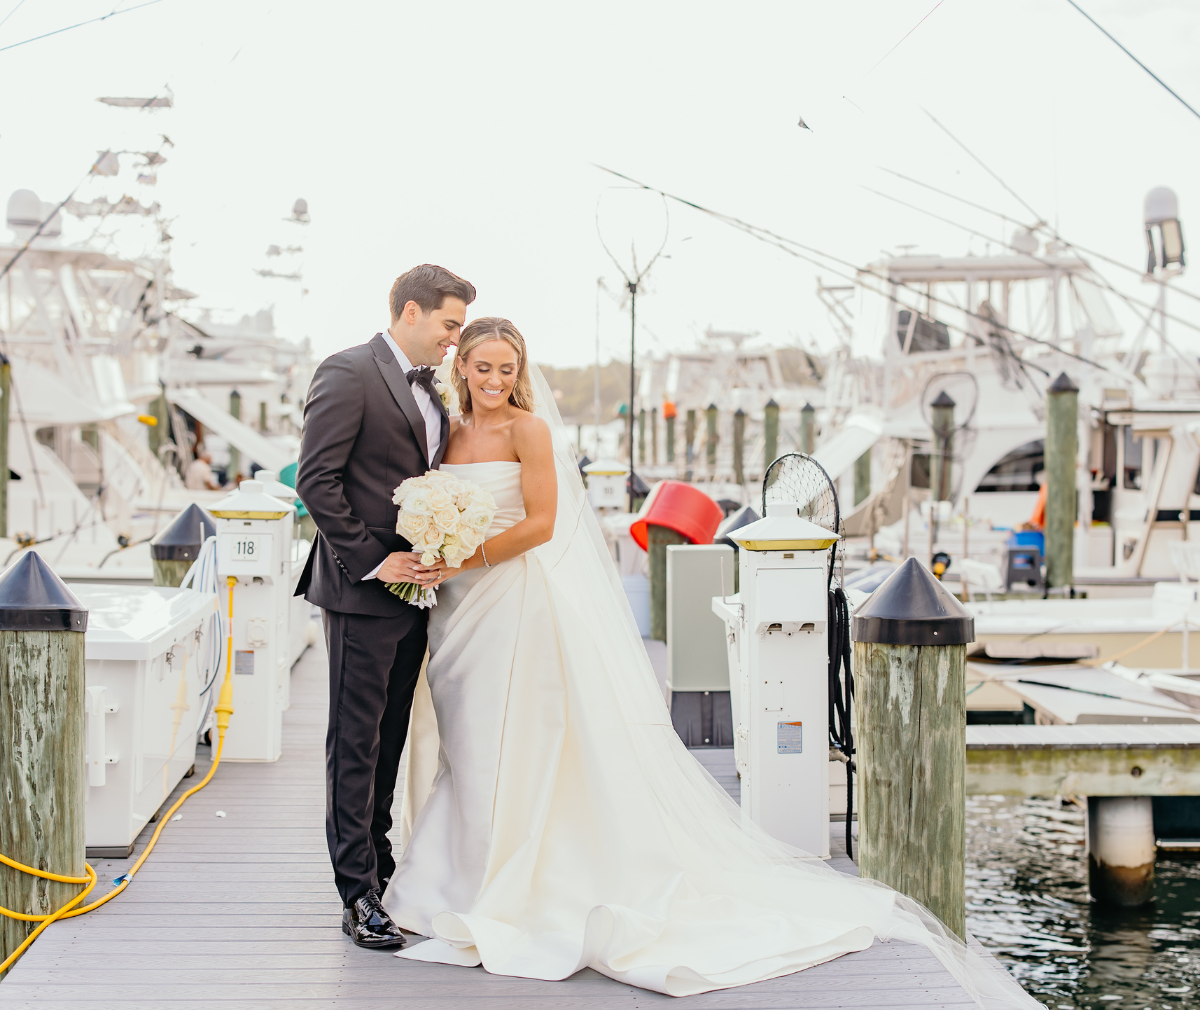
139	622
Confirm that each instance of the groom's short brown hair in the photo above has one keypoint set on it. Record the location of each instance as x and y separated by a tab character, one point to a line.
429	286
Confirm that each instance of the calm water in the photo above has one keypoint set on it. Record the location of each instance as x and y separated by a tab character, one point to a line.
1027	901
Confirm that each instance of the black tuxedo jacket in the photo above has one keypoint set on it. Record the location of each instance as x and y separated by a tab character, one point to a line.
363	435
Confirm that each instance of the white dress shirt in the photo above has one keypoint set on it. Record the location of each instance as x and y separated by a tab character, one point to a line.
429	410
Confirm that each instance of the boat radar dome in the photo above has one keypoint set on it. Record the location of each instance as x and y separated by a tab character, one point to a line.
1024	242
24	210
53	226
1161	205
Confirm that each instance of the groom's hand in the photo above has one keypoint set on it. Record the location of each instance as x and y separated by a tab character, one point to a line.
403	566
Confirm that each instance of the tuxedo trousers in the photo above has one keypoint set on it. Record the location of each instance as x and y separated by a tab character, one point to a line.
374	663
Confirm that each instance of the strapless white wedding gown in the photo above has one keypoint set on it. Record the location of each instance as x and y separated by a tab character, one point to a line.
553	820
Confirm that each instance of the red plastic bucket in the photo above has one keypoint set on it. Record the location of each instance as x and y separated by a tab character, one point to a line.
683	508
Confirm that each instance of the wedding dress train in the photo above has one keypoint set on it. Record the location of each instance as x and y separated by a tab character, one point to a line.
553	820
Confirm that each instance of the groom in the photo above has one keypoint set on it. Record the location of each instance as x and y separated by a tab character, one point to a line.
372	419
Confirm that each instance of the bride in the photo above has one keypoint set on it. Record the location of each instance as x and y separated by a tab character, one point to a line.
553	820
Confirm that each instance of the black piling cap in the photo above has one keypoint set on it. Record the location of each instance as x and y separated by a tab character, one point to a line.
913	608
735	521
33	598
943	400
808	407
1063	384
182	540
772	404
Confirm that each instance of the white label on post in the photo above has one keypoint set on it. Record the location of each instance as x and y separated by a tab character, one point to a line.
789	738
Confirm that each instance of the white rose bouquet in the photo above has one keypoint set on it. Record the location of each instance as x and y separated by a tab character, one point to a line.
442	517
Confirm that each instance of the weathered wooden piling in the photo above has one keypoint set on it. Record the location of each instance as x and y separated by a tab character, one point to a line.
1062	451
739	446
262	416
160	431
658	538
642	436
808	428
689	436
669	424
910	643
235	457
710	441
770	433
862	477
654	435
41	742
942	418
174	550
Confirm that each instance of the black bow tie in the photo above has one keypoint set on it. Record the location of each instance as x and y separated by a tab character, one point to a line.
422	375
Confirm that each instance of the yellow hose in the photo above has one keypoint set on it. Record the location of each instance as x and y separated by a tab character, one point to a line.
223	710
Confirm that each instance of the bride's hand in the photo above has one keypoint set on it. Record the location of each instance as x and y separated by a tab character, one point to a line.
440	571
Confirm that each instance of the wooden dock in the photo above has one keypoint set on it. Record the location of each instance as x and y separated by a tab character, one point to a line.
1088	759
239	911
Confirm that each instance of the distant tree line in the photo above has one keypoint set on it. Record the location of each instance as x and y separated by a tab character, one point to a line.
577	388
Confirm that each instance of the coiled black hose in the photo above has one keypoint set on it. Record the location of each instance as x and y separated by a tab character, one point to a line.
841	695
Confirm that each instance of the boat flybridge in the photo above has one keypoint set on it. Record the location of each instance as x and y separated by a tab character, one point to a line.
992	332
112	392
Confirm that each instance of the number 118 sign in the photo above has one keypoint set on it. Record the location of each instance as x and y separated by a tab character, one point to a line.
245	553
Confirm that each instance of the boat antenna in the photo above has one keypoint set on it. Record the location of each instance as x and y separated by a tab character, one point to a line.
632	285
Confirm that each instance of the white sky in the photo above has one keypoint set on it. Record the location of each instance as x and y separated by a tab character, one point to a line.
463	134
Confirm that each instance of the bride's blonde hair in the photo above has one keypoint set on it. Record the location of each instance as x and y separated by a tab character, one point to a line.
480	331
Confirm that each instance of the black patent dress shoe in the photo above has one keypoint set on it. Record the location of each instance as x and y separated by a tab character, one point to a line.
369	926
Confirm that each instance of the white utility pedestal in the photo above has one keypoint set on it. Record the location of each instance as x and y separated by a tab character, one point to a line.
254	545
303	631
606	479
777	632
143	656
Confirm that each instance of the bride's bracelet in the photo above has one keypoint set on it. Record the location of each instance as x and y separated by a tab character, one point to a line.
486	563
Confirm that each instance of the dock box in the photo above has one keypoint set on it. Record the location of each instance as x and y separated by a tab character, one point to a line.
147	653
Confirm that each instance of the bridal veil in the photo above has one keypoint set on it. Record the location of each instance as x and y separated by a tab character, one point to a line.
629	857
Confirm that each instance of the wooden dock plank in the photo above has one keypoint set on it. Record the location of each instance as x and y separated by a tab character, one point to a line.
1087	760
241	911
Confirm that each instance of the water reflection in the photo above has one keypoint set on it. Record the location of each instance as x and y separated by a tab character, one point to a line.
1027	901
